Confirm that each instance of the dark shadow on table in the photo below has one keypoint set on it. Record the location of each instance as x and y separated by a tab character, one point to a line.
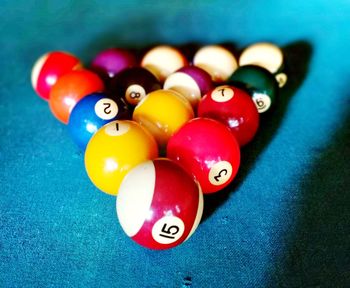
141	37
318	248
297	58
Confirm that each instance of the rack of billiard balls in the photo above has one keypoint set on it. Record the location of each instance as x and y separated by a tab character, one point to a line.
161	131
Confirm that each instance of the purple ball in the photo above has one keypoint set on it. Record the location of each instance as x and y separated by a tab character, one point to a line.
190	81
111	61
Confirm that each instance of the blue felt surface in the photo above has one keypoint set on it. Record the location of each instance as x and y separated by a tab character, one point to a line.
285	222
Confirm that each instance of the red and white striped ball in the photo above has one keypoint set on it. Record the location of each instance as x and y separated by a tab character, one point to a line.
48	68
190	81
159	205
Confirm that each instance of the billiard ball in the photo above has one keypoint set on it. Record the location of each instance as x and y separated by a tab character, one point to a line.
234	108
69	89
133	84
260	84
163	60
91	113
190	81
49	67
110	62
218	61
114	149
154	213
268	56
207	150
163	112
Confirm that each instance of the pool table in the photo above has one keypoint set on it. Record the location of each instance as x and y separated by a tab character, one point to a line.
283	222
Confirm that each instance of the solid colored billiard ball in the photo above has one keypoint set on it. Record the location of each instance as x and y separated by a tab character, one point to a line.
163	60
110	62
260	84
91	113
266	55
234	108
163	112
206	149
218	61
49	67
190	81
159	205
133	84
115	149
69	89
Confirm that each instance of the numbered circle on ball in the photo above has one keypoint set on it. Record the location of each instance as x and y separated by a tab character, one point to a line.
220	173
262	102
106	109
117	128
222	94
134	94
168	229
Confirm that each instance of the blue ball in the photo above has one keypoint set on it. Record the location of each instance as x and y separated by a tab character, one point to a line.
91	113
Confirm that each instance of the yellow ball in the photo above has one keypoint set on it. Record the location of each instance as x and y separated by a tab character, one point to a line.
114	150
163	112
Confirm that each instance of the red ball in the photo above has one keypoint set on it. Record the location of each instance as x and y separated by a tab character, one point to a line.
206	149
48	68
234	108
159	205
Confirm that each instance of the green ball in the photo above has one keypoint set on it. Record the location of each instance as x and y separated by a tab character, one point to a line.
260	84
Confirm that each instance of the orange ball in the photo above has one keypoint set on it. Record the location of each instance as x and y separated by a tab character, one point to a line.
69	89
